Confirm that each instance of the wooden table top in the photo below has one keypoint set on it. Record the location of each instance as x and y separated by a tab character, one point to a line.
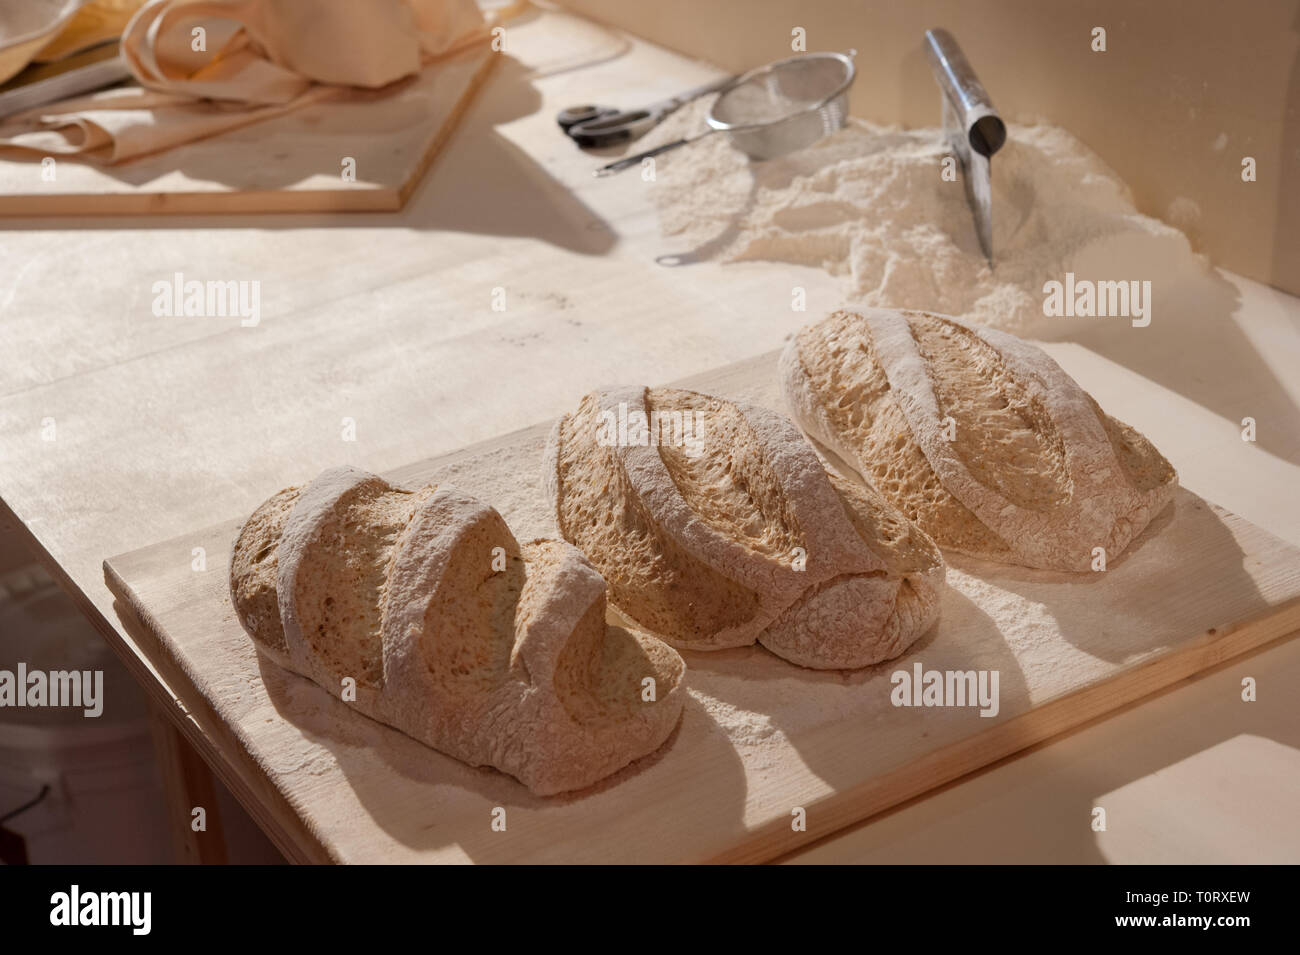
119	429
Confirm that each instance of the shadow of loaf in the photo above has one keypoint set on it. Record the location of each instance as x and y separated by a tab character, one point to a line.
489	650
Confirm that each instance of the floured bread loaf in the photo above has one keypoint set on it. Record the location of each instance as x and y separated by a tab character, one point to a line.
976	435
716	525
494	652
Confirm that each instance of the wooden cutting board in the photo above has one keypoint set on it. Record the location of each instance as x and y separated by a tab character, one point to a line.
760	739
292	163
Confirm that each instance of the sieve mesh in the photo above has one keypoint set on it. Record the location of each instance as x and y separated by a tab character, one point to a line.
786	88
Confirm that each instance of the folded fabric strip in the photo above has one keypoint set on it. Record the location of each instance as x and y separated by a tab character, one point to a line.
116	125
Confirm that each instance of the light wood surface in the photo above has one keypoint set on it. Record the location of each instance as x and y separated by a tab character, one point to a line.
167	425
292	163
760	738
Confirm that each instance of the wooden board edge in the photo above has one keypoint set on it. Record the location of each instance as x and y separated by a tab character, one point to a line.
187	783
449	125
1056	717
201	726
377	199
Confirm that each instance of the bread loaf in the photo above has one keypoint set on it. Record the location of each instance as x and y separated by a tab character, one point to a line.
722	528
976	435
492	651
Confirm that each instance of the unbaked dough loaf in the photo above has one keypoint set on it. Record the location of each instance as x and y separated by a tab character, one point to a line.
492	651
976	435
723	528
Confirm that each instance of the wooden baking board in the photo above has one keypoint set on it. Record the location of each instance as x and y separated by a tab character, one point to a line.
759	737
292	163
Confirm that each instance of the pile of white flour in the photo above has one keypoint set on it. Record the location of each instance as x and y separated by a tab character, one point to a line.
869	203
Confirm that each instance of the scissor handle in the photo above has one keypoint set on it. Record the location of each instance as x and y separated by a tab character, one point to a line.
573	115
614	128
598	126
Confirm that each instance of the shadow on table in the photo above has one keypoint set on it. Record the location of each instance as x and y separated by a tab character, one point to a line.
426	800
843	724
1059	782
1195	347
480	182
1184	577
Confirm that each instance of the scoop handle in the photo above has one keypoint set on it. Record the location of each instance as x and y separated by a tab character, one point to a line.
965	93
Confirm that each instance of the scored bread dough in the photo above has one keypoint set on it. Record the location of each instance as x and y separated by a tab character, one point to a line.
492	651
732	531
976	435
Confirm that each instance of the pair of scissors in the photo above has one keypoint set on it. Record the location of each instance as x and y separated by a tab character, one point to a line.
592	127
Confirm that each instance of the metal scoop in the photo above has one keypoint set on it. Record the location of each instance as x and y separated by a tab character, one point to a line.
775	109
974	129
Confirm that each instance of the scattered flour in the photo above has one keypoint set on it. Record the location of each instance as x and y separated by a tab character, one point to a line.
869	204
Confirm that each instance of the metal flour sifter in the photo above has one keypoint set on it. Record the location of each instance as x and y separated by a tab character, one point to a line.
775	109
